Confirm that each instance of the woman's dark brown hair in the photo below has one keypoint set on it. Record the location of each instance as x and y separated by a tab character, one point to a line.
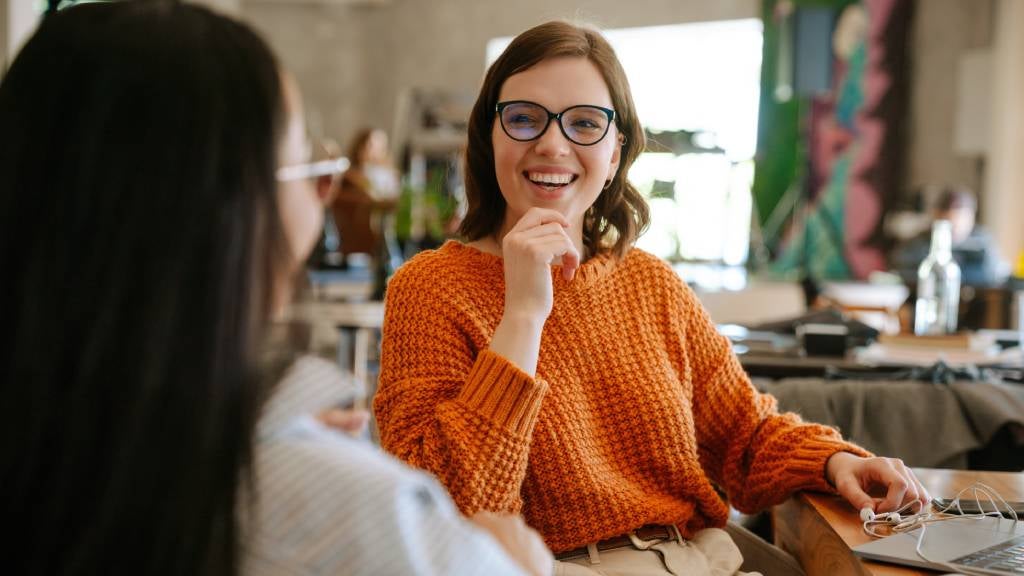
357	146
620	214
955	198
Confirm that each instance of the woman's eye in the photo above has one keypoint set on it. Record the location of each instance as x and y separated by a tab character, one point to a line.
522	119
585	125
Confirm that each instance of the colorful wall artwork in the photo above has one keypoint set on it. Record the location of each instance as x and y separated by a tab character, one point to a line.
846	151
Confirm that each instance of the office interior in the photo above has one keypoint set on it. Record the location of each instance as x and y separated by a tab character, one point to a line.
794	148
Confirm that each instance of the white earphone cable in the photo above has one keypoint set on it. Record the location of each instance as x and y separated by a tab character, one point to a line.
895	522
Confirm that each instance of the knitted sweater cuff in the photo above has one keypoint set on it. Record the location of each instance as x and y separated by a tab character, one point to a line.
500	391
806	466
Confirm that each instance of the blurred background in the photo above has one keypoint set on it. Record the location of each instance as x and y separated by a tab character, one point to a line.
788	140
804	158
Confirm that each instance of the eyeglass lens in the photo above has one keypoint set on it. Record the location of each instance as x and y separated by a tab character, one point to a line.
581	124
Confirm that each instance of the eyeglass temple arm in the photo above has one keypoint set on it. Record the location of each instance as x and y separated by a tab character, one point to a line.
313	170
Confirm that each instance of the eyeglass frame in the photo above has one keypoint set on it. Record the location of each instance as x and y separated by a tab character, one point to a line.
312	169
554	116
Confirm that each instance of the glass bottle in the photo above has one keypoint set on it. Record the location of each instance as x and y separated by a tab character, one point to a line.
938	285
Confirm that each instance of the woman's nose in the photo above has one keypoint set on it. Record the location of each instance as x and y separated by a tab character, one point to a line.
552	142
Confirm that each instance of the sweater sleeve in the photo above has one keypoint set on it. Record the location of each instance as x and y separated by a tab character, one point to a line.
757	455
465	415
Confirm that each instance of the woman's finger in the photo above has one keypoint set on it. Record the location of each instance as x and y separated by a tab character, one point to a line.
350	421
850	488
895	483
535	216
551	248
911	494
544	229
565	250
570	263
915	491
922	493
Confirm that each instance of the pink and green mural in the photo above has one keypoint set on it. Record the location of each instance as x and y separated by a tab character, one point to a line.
831	137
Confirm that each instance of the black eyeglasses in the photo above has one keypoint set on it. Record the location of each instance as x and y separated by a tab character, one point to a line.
584	124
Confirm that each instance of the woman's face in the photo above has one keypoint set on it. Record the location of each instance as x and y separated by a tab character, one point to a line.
299	201
376	150
551	171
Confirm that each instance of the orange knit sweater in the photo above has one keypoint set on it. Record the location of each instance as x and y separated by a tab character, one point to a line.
638	411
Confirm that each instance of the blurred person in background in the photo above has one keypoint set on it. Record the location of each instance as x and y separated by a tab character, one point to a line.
974	248
155	208
326	252
367	191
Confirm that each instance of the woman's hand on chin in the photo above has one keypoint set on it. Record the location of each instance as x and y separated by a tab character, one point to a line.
537	240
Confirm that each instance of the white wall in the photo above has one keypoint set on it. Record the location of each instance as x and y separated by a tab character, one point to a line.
1003	210
942	31
3	37
225	6
22	17
352	61
324	47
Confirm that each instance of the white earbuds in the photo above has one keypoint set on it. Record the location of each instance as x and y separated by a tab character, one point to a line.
906	525
868	515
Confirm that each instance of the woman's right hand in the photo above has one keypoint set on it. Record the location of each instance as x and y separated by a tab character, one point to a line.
529	248
538	240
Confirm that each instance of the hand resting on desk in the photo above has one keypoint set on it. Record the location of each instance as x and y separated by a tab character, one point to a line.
857	478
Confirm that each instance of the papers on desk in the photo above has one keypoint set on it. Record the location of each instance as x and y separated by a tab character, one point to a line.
746	341
956	351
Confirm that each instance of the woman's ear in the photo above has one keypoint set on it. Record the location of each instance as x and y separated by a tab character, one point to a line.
620	141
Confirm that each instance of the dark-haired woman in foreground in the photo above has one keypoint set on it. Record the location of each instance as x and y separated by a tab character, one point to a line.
153	215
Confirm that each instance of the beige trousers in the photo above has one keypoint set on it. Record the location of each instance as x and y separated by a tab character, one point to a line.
711	552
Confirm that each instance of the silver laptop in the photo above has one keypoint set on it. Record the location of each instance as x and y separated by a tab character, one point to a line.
981	546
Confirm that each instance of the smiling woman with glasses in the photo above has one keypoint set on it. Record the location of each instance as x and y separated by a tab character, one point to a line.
548	366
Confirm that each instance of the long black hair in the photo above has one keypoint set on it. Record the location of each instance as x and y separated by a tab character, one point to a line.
139	236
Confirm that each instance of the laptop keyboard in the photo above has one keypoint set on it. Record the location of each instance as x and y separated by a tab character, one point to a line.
1006	557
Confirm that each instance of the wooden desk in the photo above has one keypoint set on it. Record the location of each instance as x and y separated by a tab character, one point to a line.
790	365
820	530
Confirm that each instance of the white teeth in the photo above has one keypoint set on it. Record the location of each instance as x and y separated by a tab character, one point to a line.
542	178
